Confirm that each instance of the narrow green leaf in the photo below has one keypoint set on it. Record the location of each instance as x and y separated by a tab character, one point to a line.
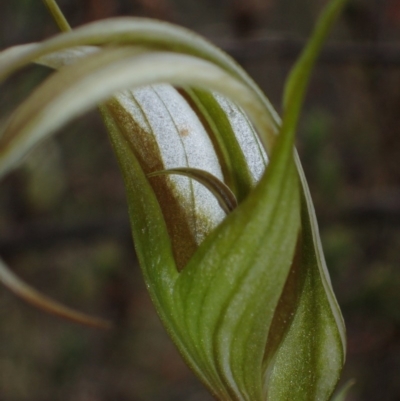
298	79
310	356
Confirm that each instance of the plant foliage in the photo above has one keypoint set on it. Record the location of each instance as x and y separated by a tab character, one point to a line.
246	298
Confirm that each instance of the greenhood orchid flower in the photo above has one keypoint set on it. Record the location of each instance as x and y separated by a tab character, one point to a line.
221	216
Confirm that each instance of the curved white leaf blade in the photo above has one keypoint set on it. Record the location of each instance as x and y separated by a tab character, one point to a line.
62	93
155	34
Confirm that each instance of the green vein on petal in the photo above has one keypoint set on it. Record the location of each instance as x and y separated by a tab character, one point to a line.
233	163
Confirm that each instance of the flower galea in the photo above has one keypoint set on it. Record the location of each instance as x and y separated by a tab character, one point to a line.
221	216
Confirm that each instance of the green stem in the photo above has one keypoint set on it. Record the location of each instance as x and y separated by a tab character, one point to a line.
57	15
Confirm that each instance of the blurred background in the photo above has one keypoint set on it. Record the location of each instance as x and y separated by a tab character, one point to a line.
63	215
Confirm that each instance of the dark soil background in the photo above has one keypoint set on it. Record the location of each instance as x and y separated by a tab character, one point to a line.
63	215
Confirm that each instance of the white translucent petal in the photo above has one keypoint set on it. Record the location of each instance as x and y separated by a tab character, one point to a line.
199	153
182	140
248	139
